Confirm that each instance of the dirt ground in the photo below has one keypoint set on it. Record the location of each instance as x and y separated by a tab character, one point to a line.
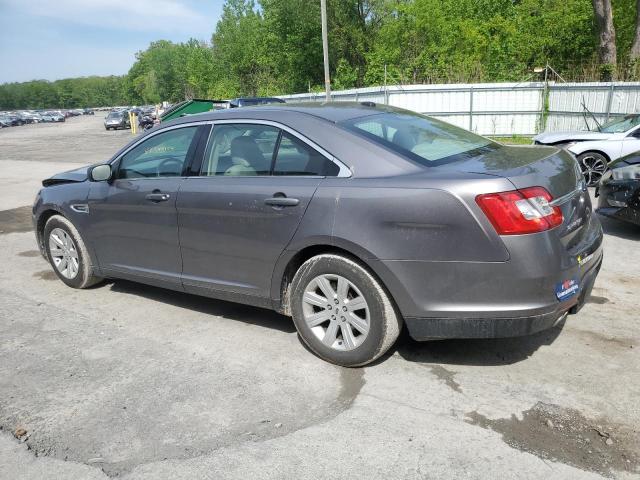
129	381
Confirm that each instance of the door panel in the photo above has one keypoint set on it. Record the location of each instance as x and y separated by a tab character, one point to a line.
134	222
133	234
233	229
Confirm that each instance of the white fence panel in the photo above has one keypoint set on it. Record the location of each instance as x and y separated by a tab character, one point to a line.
503	109
626	100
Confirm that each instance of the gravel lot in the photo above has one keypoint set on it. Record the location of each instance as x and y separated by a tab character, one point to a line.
128	381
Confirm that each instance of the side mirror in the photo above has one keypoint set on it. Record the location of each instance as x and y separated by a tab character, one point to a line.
100	173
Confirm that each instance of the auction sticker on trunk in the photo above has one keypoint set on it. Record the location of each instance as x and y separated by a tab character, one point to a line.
567	289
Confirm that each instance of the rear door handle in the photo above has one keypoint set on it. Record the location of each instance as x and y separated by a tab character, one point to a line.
158	197
281	201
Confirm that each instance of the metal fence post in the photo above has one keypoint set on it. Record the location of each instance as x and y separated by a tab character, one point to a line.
610	100
471	109
543	99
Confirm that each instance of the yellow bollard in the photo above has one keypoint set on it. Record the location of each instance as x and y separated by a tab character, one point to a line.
133	124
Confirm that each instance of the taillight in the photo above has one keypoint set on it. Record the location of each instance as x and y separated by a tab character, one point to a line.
520	211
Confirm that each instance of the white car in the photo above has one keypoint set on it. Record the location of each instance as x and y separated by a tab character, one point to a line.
595	150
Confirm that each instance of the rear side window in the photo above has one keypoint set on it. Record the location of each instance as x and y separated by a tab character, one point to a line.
297	158
240	150
425	140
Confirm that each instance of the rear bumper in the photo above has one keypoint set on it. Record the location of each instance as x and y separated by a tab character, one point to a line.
500	326
546	277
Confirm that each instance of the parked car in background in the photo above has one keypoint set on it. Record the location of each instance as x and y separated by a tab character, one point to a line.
5	121
35	117
15	120
46	117
115	120
353	219
146	122
88	111
596	150
619	190
56	116
26	117
253	101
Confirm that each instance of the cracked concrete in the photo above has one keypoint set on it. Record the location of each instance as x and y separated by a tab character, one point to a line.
135	382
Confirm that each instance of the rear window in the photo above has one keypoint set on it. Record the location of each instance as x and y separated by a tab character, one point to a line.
428	141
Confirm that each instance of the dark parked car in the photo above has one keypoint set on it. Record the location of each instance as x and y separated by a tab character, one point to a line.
15	120
253	101
88	111
353	219
619	190
116	120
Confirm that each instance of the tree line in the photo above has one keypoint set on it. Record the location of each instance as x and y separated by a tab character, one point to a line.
274	47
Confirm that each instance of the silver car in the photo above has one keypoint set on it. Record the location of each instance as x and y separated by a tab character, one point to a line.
356	220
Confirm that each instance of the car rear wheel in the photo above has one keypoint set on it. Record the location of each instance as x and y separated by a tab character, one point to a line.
67	253
593	166
342	312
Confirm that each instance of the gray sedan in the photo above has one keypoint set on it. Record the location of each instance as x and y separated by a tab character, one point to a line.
354	219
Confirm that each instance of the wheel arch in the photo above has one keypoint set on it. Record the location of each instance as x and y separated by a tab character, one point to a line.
41	221
598	151
292	262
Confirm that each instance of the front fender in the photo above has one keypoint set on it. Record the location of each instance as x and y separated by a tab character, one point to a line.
60	199
611	149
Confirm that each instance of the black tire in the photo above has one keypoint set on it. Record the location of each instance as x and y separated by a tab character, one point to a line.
85	276
384	321
593	166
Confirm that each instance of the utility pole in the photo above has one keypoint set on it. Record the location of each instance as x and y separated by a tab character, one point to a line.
325	49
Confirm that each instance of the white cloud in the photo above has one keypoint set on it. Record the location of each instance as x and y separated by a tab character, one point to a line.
133	15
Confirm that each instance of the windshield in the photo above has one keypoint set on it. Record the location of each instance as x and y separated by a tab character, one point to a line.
114	115
621	125
425	140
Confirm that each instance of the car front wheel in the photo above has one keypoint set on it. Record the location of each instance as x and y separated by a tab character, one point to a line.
67	253
342	312
593	166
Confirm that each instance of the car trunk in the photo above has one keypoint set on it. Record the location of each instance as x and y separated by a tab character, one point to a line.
555	170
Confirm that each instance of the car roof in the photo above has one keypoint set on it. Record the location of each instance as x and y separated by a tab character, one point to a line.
334	112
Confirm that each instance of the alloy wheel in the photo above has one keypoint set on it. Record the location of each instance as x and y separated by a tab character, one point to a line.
64	253
336	312
593	168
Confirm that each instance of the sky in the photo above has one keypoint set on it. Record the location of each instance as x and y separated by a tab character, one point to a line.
54	39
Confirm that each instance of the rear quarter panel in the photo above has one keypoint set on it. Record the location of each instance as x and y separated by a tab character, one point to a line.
416	218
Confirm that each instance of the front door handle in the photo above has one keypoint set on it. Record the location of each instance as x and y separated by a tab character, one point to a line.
281	201
158	197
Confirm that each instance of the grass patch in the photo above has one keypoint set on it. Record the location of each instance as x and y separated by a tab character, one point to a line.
513	140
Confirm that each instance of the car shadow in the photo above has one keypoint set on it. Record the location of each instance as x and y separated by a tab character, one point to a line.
618	228
234	311
476	352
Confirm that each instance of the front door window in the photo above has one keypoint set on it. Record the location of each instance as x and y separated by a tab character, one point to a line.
162	155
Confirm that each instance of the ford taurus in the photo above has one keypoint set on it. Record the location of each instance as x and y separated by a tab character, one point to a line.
353	219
